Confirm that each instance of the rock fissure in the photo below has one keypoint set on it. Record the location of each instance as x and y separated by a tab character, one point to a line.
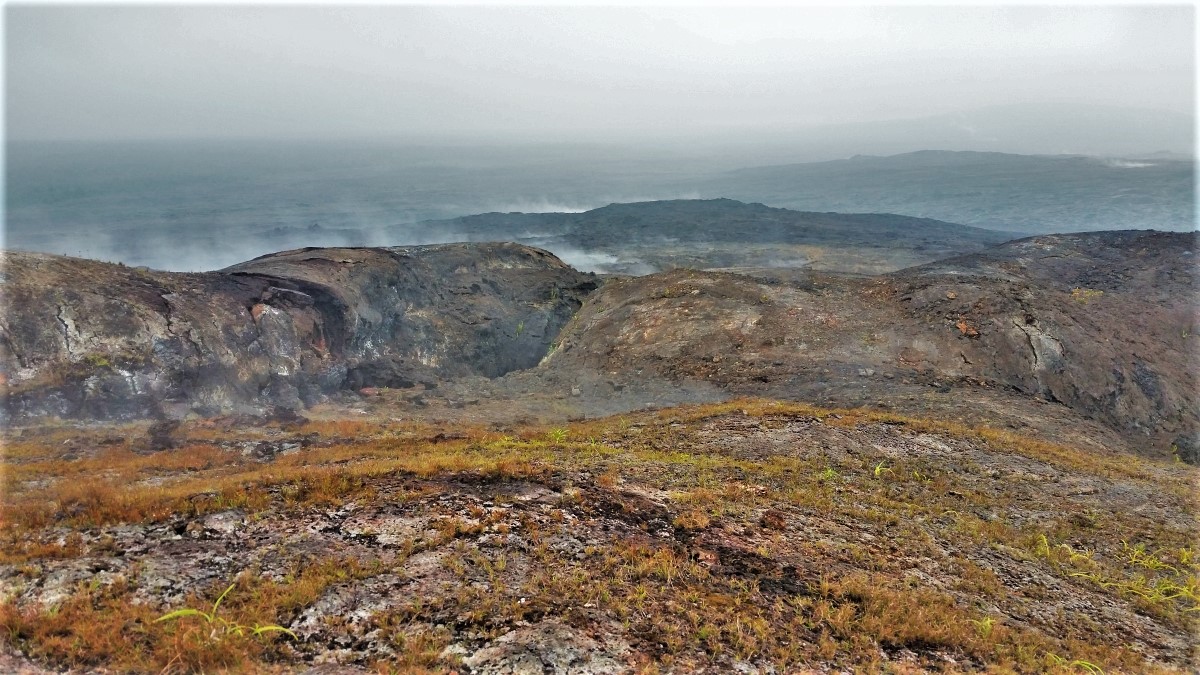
66	330
168	314
1032	348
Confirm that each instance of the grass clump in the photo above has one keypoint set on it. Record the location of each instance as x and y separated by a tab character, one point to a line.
220	625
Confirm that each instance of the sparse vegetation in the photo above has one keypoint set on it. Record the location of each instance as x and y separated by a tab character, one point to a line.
221	626
715	584
1085	295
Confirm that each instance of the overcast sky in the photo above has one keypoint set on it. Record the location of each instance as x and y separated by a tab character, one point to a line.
567	73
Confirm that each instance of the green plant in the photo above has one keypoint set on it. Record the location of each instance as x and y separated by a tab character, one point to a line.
224	625
828	474
1082	557
1043	546
984	626
558	434
880	469
1185	555
1137	555
97	361
1086	666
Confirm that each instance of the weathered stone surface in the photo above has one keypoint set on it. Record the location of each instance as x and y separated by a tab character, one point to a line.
549	647
82	338
1103	323
1100	325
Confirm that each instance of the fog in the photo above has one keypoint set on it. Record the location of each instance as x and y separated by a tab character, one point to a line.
195	137
714	75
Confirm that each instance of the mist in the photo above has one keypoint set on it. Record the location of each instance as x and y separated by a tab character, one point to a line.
710	77
190	138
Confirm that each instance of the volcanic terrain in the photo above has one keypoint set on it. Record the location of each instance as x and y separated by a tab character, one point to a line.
475	458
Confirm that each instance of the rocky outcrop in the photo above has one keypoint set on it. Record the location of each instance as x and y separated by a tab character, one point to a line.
1102	326
1102	323
82	338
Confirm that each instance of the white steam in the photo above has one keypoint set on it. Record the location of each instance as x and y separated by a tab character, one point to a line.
1126	164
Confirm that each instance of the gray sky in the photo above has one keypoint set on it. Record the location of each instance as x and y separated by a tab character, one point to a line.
568	73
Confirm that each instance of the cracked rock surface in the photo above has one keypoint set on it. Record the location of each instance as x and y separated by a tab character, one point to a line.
81	338
1101	324
1089	336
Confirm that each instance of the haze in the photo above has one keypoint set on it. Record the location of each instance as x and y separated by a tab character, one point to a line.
590	74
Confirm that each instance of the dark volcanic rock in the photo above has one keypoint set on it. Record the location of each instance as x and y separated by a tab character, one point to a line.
160	435
1187	448
81	338
1101	323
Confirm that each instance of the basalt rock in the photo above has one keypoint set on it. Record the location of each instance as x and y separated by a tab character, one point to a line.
1102	323
87	339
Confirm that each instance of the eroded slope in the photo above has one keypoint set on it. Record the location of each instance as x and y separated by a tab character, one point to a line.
1104	324
82	338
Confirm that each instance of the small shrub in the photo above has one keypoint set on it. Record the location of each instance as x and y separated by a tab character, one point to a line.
694	519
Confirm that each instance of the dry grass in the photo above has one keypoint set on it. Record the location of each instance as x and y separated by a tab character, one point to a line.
850	601
999	440
106	626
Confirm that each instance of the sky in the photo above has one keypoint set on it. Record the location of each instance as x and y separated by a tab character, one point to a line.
568	73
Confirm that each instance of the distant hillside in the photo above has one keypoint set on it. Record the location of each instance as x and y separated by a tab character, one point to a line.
1026	193
643	237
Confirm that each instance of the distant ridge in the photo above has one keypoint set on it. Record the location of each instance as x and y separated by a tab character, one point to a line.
1024	128
1025	193
706	219
641	237
969	157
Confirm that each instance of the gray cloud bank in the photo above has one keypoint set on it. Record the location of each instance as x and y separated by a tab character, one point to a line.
583	73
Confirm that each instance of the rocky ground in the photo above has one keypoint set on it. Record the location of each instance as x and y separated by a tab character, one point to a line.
754	536
474	458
